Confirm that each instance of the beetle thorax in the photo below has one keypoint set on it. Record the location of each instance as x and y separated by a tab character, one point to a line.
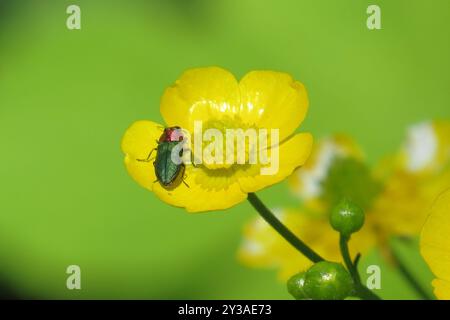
171	134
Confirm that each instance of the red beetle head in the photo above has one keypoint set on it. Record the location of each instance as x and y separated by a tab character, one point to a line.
171	134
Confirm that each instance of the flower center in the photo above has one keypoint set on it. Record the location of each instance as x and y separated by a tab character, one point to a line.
227	145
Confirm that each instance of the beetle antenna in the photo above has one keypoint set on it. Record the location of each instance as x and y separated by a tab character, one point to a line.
185	184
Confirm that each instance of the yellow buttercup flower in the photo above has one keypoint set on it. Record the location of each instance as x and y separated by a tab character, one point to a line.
261	100
435	245
264	247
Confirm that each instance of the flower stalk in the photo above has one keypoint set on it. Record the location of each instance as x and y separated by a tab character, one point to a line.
351	267
361	290
272	220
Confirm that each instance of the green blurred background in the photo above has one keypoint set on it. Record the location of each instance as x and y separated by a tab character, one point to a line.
67	96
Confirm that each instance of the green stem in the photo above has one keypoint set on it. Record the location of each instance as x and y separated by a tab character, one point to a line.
343	244
408	276
361	291
271	219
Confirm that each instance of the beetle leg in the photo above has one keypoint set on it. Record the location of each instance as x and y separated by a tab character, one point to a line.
193	160
184	182
148	157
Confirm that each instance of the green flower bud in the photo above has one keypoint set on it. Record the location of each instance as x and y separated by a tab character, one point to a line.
295	286
346	217
328	281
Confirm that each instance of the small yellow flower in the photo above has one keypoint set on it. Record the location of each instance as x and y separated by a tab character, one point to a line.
264	247
435	245
261	100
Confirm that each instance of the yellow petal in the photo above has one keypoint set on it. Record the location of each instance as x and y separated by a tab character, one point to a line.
273	100
401	207
137	143
292	154
435	240
200	94
441	289
194	197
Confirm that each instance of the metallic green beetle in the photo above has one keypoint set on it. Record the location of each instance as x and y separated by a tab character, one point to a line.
168	173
